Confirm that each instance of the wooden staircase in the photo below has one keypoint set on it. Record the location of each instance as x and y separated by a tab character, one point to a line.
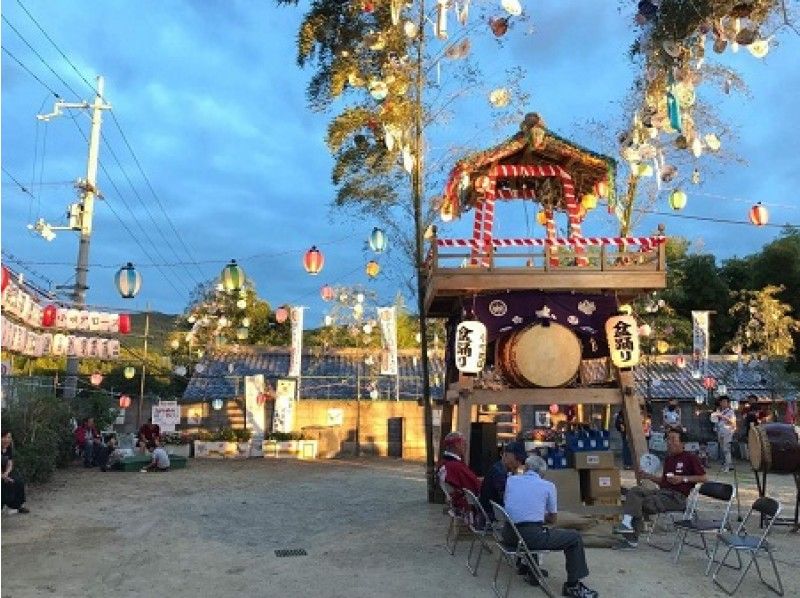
506	417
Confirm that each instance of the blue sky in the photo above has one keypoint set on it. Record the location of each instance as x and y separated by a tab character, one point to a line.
210	98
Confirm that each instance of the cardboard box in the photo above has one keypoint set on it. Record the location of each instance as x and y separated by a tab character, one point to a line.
568	487
604	501
600	483
592	460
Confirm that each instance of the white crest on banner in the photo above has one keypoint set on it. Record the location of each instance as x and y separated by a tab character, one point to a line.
296	353
387	316
283	417
700	341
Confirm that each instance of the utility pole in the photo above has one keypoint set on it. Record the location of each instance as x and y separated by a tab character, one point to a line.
88	188
144	366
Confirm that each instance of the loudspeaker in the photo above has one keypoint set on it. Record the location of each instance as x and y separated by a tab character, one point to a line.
482	447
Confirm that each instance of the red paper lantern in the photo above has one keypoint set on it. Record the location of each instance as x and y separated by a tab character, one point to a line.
6	278
96	378
124	323
554	408
124	401
281	314
49	316
326	292
680	362
313	261
262	398
759	215
709	382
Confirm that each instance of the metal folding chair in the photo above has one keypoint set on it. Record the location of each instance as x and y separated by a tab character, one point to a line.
654	524
480	525
512	554
694	523
458	520
742	542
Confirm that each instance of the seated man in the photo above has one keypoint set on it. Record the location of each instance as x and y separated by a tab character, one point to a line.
452	470
494	484
87	439
160	460
531	502
108	454
682	470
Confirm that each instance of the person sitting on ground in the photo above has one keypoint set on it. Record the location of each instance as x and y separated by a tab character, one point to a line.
531	503
453	471
682	470
494	483
149	431
160	460
13	492
108	454
87	439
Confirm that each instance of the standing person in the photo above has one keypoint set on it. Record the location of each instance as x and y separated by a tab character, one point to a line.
149	431
619	425
726	428
672	416
531	503
493	487
160	459
13	491
682	470
453	471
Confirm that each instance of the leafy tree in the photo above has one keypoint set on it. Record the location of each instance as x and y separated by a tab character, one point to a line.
765	324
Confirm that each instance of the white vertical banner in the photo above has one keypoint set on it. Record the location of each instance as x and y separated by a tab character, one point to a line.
296	354
387	316
255	419
283	419
700	341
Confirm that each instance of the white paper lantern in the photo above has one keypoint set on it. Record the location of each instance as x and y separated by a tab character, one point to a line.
20	337
35	318
83	319
60	344
24	306
217	404
92	347
470	346
31	338
374	394
622	334
45	344
102	348
180	370
73	318
61	318
95	321
113	349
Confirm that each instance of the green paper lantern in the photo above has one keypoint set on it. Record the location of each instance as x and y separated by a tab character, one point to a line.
677	200
232	276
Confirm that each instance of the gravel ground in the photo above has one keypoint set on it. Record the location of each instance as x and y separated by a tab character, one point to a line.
212	530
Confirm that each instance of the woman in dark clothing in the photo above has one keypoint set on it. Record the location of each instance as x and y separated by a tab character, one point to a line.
13	485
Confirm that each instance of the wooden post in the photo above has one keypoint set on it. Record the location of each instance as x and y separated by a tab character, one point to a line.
662	251
602	258
465	420
633	417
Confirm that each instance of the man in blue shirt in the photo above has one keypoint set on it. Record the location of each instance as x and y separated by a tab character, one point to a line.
531	502
494	483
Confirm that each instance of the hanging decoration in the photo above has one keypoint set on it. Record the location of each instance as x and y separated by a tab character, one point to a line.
410	29
372	269
759	215
677	200
124	401
680	362
446	212
674	111
281	314
327	292
500	97
695	177
96	379
49	316
313	261
217	404
499	26
709	382
645	330
378	89
128	281
377	240
242	333
622	334
662	346
554	408
6	279
180	370
440	26
470	347
512	7
589	201
232	277
129	372
541	217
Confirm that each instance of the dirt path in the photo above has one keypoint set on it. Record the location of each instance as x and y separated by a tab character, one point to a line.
212	530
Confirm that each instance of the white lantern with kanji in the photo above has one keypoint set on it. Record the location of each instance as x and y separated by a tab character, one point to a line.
470	346
622	333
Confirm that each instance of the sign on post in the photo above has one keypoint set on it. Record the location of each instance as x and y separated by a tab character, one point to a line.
166	414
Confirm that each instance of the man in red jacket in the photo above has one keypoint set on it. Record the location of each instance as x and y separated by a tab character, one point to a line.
453	471
87	439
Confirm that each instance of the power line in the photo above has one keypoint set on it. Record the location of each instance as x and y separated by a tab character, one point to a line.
30	72
22	187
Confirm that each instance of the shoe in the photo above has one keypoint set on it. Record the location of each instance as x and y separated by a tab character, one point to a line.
11	511
625	545
23	510
623	530
578	591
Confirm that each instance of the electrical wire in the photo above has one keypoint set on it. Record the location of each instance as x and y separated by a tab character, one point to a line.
22	187
30	72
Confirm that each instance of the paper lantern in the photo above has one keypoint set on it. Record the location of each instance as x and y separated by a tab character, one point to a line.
128	281
95	321
313	261
84	319
59	346
326	292
328	320
680	362
45	345
6	279
49	316
601	189
124	401
73	317
232	277
677	200
261	398
359	297
662	346
470	346
241	304
245	322
553	408
759	215
129	372
541	217
645	330
589	201
96	378
709	382
124	324
217	404
372	269
242	333
180	370
446	212
199	368
175	343
377	240
622	334
281	315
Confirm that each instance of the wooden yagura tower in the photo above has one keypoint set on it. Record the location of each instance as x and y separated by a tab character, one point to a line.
569	284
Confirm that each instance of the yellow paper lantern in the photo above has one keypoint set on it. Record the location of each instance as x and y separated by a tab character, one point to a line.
622	334
541	217
662	346
589	201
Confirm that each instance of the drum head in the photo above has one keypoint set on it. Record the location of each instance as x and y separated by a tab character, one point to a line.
759	448
548	356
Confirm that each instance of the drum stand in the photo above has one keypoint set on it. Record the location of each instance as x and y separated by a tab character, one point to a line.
762	490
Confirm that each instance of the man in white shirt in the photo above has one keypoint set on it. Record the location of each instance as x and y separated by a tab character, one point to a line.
531	502
160	459
726	428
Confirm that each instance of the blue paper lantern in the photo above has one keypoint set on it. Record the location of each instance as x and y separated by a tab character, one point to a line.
128	281
377	240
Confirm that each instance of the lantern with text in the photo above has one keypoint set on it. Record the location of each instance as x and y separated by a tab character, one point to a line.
470	349
129	372
6	278
622	334
326	292
281	315
377	240
216	404
124	401
759	215
124	326
372	269
49	316
96	378
128	281
232	277
313	261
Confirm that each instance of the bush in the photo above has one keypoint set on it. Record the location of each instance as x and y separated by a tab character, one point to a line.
284	436
243	435
41	425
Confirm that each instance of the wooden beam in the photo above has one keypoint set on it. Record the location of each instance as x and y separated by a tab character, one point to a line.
546	396
633	418
470	280
465	421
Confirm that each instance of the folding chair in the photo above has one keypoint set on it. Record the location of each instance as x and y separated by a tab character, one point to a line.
690	501
458	522
512	554
693	523
742	542
480	526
